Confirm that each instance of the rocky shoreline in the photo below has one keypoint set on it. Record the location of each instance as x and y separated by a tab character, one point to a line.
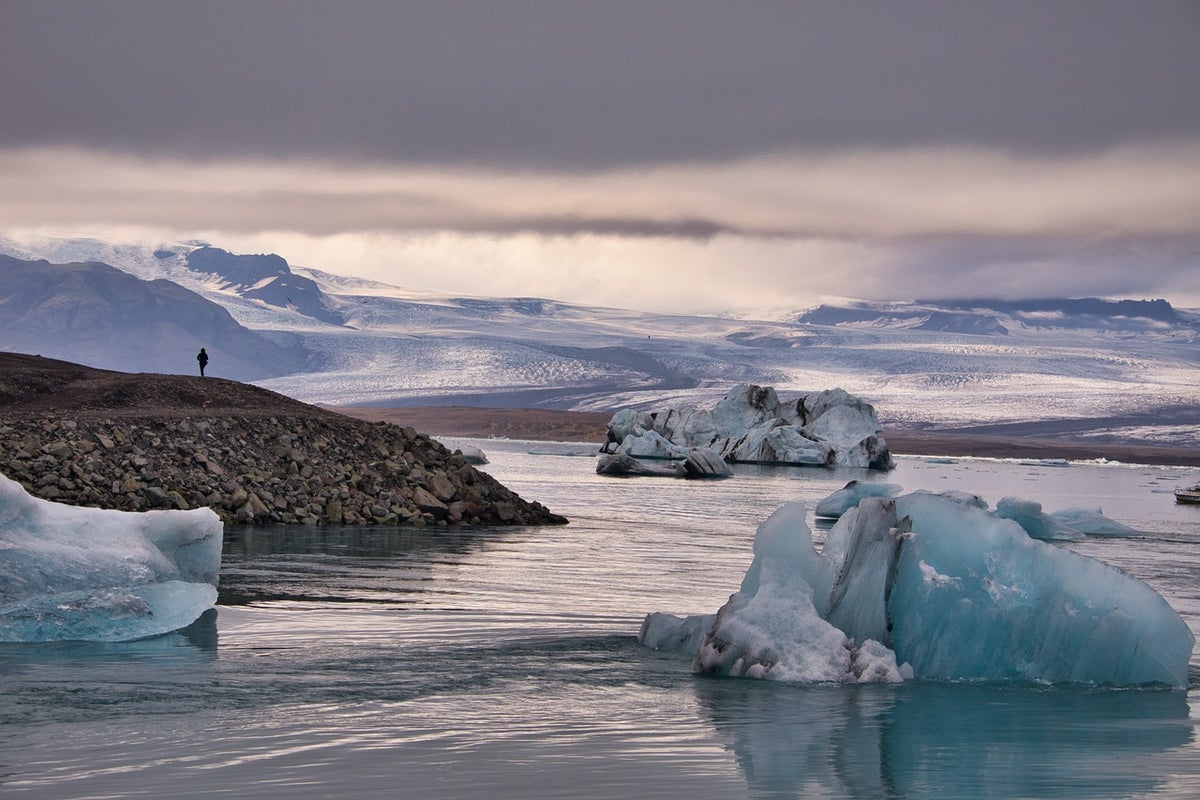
136	442
256	470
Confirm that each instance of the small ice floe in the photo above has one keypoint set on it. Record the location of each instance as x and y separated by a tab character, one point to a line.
1045	462
1091	521
71	573
851	494
560	451
698	463
1029	515
473	454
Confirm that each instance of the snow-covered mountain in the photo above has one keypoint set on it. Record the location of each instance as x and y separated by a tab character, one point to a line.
98	315
1126	368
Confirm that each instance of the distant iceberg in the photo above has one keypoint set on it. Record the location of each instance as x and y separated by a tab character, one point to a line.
698	463
98	575
751	425
850	495
928	587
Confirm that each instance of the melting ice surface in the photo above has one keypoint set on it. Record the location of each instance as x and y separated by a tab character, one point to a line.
108	576
931	587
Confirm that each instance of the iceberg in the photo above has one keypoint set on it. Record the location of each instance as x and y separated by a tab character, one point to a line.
751	425
1091	521
851	494
472	454
930	587
624	465
705	463
1038	524
71	573
698	463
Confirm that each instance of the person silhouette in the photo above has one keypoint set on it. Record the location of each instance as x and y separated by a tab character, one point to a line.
202	358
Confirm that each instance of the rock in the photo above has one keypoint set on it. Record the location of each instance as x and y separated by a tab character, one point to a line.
428	503
441	487
317	467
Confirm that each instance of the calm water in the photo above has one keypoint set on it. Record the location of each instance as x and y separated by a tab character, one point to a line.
504	664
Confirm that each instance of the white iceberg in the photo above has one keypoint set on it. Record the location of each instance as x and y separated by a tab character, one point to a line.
1092	522
81	573
1038	524
472	454
751	424
926	586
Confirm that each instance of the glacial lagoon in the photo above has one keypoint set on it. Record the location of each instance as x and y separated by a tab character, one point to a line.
504	663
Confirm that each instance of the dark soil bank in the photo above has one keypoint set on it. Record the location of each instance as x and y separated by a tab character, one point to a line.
106	439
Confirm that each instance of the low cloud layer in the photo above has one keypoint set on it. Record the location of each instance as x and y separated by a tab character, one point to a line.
753	233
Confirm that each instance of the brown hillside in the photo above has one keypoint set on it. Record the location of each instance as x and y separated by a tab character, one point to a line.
135	442
35	385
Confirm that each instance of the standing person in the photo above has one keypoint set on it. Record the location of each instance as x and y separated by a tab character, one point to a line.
202	357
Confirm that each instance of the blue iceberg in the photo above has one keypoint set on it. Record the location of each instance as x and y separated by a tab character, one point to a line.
850	495
70	573
924	586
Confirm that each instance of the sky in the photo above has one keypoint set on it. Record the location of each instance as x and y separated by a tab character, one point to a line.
732	157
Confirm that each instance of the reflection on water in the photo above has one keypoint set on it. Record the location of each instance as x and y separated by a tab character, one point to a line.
337	564
242	541
933	740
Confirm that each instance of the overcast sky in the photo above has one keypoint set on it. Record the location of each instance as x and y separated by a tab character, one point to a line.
691	156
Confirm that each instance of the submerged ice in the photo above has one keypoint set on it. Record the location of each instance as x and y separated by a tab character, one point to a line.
930	587
89	574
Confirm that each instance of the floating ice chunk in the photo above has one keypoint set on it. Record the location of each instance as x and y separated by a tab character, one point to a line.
751	424
1015	608
968	499
1029	515
1092	522
774	442
699	463
774	626
622	465
1046	462
662	631
651	444
849	496
81	573
926	586
705	463
473	454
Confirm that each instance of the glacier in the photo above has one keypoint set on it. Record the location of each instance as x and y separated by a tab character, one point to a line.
930	587
71	573
1094	368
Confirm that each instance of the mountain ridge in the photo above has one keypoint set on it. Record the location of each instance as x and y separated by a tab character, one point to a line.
922	364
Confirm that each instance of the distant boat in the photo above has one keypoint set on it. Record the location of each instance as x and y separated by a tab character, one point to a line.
1190	495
